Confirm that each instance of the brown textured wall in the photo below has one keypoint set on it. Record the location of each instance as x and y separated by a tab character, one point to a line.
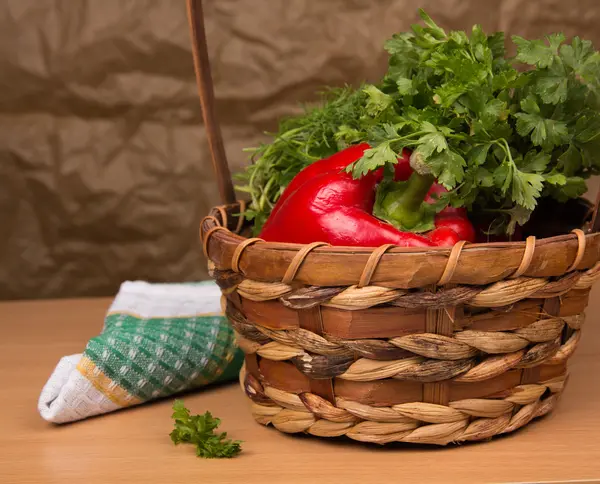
104	170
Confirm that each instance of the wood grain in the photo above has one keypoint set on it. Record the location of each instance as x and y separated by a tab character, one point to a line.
520	315
271	314
377	322
390	322
574	302
383	393
133	445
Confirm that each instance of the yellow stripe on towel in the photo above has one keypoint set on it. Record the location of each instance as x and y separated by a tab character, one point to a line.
105	385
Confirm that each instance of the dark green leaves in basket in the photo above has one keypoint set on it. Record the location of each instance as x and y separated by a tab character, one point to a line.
500	133
200	431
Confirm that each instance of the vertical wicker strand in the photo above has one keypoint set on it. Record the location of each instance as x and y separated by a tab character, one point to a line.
207	99
439	321
310	319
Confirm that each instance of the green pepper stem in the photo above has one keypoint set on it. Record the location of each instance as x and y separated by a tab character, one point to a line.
416	190
406	205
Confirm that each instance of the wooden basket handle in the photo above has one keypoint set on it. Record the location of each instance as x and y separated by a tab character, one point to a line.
207	100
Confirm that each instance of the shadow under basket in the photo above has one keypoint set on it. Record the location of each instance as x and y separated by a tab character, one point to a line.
402	345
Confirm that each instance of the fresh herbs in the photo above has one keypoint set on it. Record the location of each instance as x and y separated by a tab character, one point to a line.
200	431
301	140
499	133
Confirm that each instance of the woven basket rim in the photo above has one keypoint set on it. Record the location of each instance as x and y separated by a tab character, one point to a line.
343	249
322	265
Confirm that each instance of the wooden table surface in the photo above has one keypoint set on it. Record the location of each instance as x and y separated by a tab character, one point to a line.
133	445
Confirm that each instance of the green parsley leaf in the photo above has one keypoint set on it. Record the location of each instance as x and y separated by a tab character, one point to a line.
373	159
200	431
484	178
583	60
377	101
518	215
503	177
496	44
432	28
533	52
544	132
488	111
493	110
570	161
432	141
530	105
459	37
587	128
573	187
577	54
555	178
526	188
535	162
552	84
447	94
348	134
555	40
478	154
504	80
448	167
553	89
406	86
526	123
536	52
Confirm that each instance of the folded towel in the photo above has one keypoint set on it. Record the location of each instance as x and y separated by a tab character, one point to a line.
157	340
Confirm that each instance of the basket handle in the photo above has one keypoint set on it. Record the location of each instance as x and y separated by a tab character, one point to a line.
207	100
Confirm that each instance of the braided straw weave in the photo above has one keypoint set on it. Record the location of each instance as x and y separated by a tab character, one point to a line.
402	345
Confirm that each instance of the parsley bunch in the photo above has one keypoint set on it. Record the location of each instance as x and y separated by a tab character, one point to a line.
499	133
200	431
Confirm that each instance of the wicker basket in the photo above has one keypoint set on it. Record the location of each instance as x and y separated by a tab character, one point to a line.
395	345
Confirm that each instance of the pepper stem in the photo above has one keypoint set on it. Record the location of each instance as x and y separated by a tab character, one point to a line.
404	205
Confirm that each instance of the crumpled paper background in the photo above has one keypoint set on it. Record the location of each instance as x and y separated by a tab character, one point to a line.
104	166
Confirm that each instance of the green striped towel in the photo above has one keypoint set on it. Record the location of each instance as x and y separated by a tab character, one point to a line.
157	340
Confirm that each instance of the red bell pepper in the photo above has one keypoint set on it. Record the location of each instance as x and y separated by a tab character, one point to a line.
324	203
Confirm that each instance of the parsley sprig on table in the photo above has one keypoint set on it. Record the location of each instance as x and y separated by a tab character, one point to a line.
200	431
499	133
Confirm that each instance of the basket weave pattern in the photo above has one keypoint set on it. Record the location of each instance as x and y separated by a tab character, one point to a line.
402	345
